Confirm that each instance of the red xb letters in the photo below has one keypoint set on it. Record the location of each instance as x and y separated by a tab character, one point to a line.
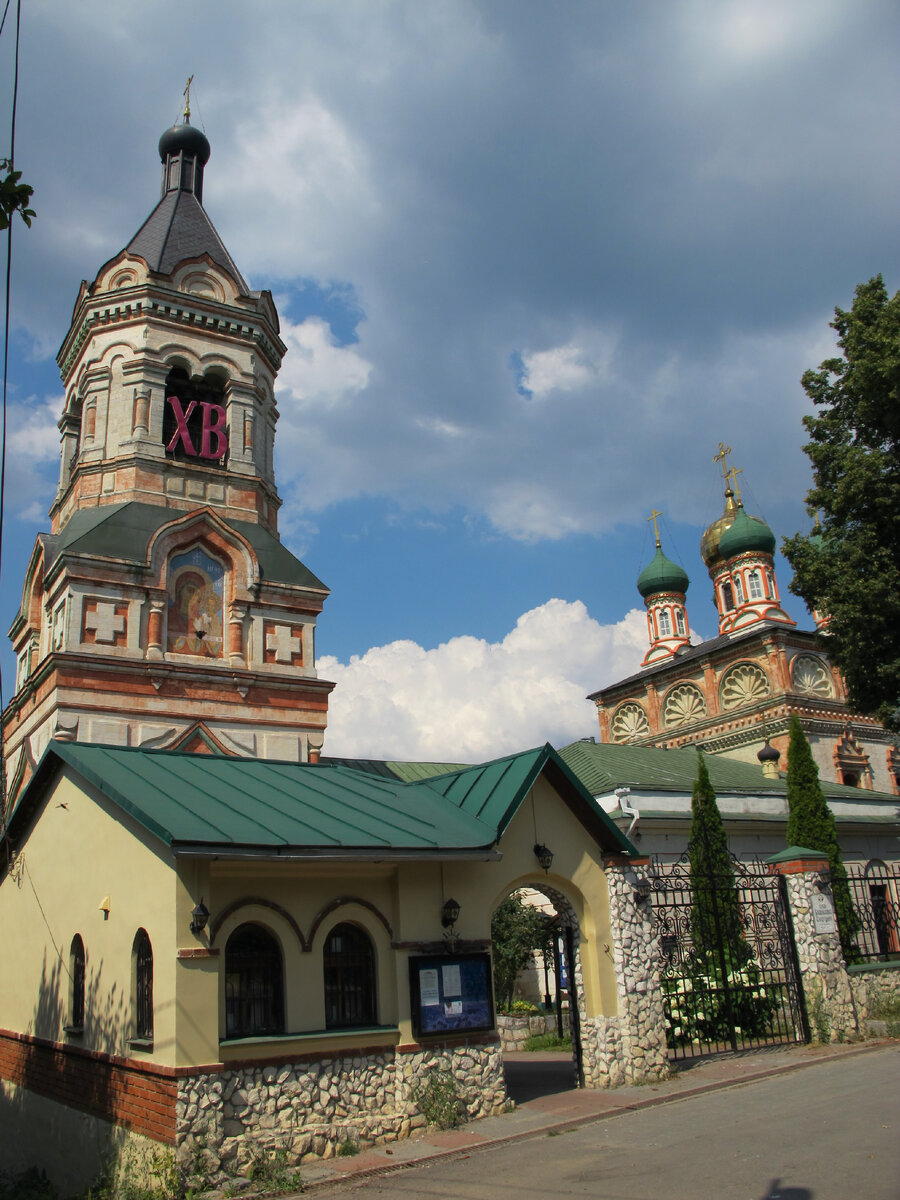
213	437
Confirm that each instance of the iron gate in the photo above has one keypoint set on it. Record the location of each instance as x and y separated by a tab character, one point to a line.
727	961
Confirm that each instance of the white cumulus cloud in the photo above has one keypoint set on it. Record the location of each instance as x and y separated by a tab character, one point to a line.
469	700
566	368
317	370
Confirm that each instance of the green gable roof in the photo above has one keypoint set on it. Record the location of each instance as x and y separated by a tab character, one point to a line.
206	802
124	531
603	766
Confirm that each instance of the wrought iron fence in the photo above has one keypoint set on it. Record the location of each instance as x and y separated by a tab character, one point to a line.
875	893
725	992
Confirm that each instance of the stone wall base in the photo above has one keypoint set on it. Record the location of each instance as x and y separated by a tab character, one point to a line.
613	1056
875	987
515	1031
311	1109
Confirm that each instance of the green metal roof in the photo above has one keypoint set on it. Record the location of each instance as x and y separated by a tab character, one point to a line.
192	801
124	531
408	772
603	766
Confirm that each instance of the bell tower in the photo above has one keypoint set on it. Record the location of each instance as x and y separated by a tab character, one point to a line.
162	609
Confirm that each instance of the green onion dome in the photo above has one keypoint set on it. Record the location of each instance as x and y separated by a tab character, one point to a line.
746	534
662	575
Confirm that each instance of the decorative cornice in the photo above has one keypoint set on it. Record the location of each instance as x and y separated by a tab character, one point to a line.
174	308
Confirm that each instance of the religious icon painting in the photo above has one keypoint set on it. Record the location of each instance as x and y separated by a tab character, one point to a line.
196	605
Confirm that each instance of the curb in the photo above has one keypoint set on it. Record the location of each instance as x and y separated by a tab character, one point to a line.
459	1152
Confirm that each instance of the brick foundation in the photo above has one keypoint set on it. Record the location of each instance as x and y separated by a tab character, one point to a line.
138	1096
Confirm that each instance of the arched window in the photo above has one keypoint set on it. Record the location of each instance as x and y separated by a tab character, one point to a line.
254	983
665	623
679	622
349	962
738	589
754	583
727	597
142	994
76	983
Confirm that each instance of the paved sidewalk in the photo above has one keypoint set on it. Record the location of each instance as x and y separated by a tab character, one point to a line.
560	1107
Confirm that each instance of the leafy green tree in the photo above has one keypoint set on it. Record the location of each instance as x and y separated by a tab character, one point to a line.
14	196
849	569
811	825
715	911
517	929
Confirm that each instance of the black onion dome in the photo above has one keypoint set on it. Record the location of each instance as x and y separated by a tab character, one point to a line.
768	753
185	138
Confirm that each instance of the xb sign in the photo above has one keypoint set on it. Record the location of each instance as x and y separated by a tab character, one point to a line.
199	429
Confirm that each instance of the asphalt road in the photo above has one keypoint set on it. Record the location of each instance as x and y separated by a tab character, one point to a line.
831	1132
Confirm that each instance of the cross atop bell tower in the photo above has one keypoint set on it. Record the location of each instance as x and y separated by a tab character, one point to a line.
162	609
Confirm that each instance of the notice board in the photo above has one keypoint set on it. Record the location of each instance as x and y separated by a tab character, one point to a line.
451	993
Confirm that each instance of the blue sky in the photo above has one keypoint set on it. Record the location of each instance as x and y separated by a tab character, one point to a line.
533	263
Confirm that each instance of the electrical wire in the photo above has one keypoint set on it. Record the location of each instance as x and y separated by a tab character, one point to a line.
9	231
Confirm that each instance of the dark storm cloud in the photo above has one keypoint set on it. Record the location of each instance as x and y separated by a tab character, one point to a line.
663	201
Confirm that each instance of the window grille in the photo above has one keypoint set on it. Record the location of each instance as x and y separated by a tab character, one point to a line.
254	983
349	963
143	986
76	970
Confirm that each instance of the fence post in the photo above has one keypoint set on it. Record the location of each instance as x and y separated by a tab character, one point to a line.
830	1011
641	1018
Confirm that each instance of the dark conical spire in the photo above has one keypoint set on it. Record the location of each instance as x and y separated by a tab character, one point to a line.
179	228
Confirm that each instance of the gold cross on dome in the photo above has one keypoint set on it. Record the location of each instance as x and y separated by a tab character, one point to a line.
656	513
732	479
720	457
187	99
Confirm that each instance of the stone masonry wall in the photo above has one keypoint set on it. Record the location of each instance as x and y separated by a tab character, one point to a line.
632	1045
826	985
874	988
309	1109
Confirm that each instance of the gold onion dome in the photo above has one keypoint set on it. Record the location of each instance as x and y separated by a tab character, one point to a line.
709	543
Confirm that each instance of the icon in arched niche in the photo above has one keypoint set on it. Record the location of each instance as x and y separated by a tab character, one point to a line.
196	601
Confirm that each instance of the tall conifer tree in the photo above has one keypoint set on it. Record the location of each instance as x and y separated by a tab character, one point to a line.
811	825
716	914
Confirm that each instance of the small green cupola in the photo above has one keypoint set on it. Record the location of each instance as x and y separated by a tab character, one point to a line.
746	535
662	575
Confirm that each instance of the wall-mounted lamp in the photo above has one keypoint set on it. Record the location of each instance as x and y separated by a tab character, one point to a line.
543	855
199	917
642	888
449	917
822	882
104	907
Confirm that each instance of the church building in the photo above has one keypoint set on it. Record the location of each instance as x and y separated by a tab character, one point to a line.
222	944
735	693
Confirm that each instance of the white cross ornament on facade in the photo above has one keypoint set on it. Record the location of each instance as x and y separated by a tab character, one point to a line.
105	622
284	643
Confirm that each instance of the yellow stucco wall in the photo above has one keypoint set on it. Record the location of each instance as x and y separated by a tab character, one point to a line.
80	853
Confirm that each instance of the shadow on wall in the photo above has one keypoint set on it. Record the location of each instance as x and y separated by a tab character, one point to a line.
56	1107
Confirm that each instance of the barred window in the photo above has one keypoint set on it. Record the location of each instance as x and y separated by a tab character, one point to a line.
142	999
76	979
254	983
349	962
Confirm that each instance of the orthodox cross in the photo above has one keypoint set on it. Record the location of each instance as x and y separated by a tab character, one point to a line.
720	457
656	513
187	100
732	479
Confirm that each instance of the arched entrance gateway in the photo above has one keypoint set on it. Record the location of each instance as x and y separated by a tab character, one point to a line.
541	1006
